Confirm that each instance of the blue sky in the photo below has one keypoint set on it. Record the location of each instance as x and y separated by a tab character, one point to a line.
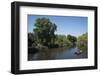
73	25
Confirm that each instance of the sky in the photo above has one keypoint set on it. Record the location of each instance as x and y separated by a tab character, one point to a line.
74	25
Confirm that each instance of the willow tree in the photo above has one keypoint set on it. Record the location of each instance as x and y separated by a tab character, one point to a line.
44	31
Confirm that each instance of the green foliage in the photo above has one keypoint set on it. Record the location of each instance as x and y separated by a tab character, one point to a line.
44	31
31	39
40	46
60	40
82	42
72	39
44	37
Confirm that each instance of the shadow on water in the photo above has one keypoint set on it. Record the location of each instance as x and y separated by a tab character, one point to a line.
32	50
55	53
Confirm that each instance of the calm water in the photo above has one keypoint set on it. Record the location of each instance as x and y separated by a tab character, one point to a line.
57	53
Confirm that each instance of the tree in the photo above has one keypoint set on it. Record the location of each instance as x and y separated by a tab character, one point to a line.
82	42
44	31
31	39
60	40
72	39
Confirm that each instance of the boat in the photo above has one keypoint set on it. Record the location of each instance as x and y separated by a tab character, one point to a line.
78	52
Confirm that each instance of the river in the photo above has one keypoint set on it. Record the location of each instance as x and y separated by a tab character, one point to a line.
57	53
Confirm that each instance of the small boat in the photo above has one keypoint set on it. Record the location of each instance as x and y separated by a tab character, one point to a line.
78	52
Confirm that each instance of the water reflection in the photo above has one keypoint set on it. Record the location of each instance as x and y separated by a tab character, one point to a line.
57	53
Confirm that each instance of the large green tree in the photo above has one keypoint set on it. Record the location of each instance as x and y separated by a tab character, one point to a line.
44	31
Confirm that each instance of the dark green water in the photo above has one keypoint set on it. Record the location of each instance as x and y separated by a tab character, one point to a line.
57	53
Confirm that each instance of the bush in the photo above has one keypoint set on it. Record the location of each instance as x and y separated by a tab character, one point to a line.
82	42
40	46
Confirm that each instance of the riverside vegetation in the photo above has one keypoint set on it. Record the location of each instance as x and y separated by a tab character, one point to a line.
43	37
